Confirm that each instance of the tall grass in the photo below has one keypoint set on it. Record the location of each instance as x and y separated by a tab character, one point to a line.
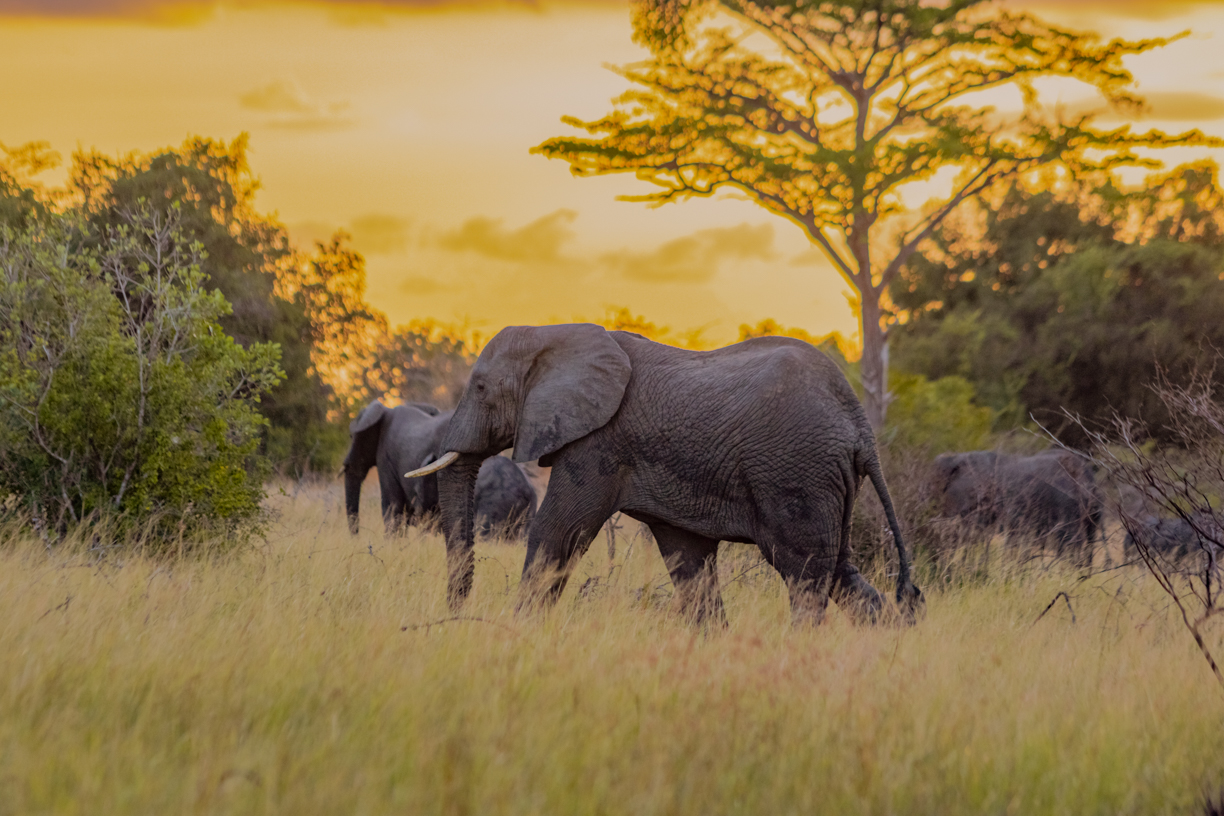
323	673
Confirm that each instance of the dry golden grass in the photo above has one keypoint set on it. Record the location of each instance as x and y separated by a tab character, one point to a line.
304	677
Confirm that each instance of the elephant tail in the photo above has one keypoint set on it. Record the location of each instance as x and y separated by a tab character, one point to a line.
909	597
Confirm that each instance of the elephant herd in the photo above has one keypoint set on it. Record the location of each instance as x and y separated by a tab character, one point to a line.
762	442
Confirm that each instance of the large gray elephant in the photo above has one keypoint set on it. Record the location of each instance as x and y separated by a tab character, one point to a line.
761	442
1052	493
408	436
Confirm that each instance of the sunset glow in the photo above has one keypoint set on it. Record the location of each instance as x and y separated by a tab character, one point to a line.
409	126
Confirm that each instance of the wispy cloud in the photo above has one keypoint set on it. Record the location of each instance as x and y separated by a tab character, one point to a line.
537	242
695	258
1163	106
288	106
380	234
372	234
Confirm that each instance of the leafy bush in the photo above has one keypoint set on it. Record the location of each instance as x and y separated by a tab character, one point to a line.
939	415
124	400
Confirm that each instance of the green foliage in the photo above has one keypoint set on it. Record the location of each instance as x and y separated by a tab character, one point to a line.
124	401
1074	299
245	254
20	200
938	415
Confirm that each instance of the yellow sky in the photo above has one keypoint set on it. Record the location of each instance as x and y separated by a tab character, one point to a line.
411	129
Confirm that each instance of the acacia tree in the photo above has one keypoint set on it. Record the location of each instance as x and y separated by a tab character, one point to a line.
820	110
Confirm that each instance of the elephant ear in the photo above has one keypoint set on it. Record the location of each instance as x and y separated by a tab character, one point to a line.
370	416
432	410
575	386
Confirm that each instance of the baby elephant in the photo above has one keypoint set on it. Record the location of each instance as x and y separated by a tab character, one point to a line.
505	500
1174	539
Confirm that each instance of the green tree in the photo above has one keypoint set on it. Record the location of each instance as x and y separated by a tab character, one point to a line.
821	110
123	399
22	199
244	255
1074	296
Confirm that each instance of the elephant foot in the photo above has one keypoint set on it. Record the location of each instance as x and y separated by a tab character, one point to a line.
858	599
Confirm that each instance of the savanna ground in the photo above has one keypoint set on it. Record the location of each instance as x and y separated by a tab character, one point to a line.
311	674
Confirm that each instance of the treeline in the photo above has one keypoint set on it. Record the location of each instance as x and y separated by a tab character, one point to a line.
163	346
1071	296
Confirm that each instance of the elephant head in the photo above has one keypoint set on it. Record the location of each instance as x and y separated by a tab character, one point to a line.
366	432
535	389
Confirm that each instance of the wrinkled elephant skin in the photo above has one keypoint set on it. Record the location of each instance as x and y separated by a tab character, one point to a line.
761	442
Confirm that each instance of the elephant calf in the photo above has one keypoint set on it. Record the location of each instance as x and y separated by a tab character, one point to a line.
1174	539
505	500
1049	494
399	439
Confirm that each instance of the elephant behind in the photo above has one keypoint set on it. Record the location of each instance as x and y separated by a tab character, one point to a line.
761	442
1052	493
396	440
1174	538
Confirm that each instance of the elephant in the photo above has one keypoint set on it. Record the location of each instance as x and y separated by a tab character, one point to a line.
505	499
394	439
1050	493
761	442
1174	538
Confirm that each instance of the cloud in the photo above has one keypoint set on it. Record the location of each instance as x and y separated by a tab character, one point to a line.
1164	106
290	107
422	285
305	234
695	258
380	234
538	242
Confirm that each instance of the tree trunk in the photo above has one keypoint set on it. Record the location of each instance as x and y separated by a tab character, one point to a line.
873	366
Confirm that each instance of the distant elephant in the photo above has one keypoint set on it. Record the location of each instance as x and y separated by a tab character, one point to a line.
1175	538
761	442
393	440
505	500
1048	494
407	436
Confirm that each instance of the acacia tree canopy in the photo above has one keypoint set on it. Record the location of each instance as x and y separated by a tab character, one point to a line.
820	111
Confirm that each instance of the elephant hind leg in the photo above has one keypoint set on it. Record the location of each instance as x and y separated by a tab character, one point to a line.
692	561
807	568
850	590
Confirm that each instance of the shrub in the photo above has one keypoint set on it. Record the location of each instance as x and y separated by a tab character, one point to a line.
125	403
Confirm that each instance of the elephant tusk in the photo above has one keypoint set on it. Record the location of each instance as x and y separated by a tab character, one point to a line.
433	467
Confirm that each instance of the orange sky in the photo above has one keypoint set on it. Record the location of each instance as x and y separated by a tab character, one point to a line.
409	125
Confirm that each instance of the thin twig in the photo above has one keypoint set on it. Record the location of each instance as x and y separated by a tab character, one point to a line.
1050	606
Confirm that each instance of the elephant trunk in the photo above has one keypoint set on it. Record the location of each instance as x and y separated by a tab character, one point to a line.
353	477
457	494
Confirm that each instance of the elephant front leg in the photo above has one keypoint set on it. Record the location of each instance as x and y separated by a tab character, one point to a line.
692	561
574	510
